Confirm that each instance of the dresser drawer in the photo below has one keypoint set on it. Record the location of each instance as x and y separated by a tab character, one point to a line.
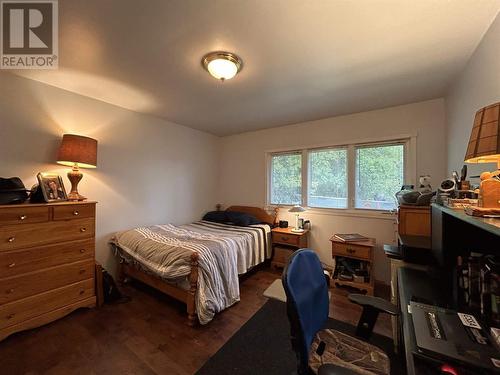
27	308
15	288
287	239
350	250
17	262
23	214
13	237
74	211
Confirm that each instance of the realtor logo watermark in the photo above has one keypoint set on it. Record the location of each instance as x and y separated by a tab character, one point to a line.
29	37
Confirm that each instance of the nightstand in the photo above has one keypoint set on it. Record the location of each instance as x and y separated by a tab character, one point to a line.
361	251
285	242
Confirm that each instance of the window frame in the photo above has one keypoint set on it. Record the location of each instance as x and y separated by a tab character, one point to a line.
305	194
403	143
270	177
409	162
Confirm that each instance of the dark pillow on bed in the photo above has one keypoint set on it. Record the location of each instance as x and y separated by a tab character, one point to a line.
216	216
241	219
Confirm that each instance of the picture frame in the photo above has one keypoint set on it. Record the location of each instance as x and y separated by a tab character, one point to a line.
52	187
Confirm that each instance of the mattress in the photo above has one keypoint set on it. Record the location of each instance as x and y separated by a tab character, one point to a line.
225	251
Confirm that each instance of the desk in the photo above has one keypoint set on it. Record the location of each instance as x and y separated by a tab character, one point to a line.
453	234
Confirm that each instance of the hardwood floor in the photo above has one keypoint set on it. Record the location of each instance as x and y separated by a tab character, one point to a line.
147	335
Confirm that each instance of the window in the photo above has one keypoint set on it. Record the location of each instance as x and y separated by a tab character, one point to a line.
357	176
379	175
286	179
327	178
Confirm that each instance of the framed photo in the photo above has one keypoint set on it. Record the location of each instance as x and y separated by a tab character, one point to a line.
52	187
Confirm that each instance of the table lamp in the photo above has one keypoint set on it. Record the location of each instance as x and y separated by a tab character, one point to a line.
78	152
484	142
296	209
484	147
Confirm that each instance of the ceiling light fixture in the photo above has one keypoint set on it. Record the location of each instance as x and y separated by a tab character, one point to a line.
222	65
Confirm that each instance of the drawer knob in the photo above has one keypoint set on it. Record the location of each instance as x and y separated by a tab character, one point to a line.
10	316
82	291
76	213
11	239
82	251
23	217
283	238
11	265
82	272
10	291
83	230
350	251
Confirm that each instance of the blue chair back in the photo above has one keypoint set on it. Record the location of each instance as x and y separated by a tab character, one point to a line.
307	301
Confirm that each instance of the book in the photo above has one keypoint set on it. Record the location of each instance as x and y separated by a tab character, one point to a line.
350	237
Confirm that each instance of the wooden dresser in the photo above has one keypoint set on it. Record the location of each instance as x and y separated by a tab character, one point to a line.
47	263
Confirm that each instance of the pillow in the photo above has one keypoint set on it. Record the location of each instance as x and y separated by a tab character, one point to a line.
241	219
216	216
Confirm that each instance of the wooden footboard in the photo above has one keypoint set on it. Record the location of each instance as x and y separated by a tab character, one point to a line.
186	296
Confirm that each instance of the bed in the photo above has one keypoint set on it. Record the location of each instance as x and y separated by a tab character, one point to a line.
197	263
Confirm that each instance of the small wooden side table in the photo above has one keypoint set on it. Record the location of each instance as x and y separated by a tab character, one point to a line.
363	251
285	242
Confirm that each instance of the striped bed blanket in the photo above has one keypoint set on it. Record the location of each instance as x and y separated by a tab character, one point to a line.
225	251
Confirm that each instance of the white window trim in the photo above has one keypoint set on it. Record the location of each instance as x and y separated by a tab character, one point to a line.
410	169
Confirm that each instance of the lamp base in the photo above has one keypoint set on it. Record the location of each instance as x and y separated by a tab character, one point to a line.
76	197
74	177
297	230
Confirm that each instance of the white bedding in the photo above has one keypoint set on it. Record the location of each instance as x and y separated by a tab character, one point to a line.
225	251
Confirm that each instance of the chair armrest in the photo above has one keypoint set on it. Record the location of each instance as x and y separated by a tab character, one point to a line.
330	369
379	304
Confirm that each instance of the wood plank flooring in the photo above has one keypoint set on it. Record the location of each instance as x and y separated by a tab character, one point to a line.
147	335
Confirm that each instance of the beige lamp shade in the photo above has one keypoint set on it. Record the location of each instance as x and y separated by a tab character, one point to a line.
484	143
77	150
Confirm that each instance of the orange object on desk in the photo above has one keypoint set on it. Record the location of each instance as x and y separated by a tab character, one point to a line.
490	193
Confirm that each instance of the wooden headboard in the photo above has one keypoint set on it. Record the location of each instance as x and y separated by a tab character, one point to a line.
259	213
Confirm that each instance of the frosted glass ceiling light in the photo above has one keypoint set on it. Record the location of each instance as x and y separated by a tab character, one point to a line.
222	65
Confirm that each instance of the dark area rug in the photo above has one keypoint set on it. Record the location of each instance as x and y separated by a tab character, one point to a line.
262	346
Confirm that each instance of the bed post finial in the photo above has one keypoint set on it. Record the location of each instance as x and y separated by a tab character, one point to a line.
193	287
218	206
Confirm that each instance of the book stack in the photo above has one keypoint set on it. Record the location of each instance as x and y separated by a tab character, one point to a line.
350	237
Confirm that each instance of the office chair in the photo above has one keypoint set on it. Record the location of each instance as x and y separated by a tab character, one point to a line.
325	351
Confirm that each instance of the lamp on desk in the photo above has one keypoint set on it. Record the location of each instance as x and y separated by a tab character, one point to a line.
484	147
484	142
78	152
296	209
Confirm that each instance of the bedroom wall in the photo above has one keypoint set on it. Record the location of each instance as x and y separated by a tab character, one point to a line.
150	171
243	165
477	86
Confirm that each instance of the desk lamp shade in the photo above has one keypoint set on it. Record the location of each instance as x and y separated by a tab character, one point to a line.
296	209
484	142
77	151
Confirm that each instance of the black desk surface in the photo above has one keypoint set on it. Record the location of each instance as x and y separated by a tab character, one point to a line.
490	225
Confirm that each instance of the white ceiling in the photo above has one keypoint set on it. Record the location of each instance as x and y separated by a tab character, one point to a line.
303	60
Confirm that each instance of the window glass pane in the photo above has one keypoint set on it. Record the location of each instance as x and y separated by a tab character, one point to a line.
379	175
327	178
286	179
